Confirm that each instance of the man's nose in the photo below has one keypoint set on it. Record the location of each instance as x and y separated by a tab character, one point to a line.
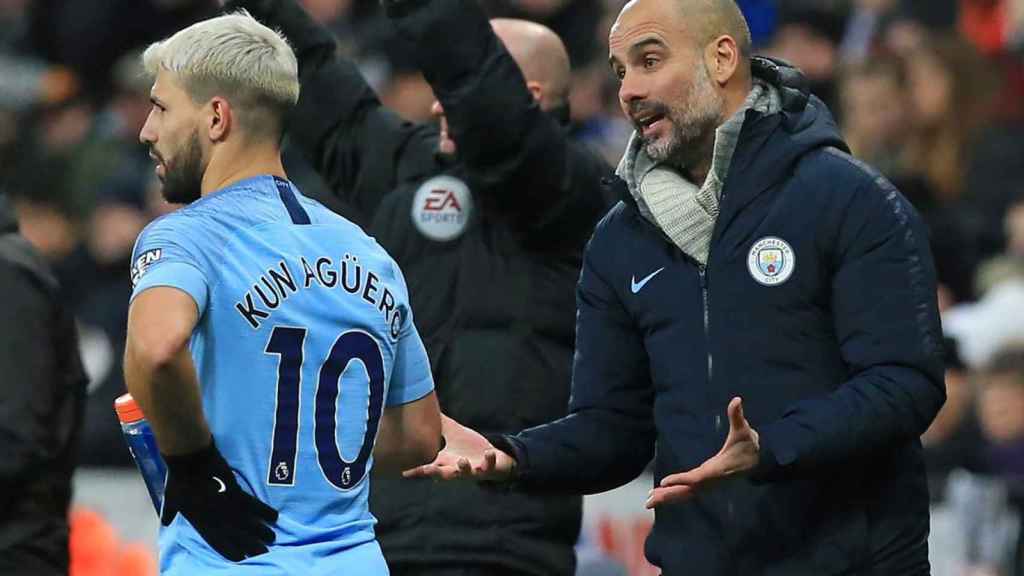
147	135
631	90
436	109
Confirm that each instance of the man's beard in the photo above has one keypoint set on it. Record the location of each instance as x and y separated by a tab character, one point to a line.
183	181
693	124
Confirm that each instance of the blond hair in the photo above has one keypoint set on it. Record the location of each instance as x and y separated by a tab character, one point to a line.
236	57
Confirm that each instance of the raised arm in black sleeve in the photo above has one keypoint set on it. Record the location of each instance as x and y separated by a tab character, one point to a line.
509	146
361	149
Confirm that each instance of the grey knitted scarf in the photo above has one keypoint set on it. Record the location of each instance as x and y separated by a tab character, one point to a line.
677	206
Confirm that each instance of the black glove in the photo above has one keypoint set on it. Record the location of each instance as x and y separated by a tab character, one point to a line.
202	487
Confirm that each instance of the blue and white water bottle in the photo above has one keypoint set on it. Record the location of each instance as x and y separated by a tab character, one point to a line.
142	444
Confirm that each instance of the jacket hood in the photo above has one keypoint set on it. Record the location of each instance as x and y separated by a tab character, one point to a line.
771	144
804	119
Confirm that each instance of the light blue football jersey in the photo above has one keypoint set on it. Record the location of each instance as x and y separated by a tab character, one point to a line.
305	334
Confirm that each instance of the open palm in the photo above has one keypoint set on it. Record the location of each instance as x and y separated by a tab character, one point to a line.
739	455
466	454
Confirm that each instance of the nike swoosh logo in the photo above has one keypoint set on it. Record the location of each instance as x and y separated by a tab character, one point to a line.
223	488
638	286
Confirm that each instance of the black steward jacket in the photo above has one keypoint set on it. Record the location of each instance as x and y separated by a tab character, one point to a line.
42	394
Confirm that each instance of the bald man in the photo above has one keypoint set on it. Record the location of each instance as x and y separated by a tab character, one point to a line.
758	314
487	212
543	61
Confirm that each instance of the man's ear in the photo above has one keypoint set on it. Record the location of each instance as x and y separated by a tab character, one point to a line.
722	58
536	90
219	119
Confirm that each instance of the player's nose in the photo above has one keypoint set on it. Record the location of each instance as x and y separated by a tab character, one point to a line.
147	135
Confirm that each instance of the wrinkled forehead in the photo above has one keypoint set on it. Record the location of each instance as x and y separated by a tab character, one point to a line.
646	22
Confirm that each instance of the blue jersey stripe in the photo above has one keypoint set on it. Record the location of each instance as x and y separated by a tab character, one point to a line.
295	210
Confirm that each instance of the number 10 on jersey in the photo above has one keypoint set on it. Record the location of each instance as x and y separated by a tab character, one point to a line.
288	344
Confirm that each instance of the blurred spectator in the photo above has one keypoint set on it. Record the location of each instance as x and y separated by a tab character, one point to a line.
1014	228
27	78
953	440
1001	410
573	20
88	36
874	106
1001	415
984	327
988	526
994	182
595	116
911	21
80	193
808	36
40	409
863	27
1015	18
593	98
951	92
47	227
986	23
935	15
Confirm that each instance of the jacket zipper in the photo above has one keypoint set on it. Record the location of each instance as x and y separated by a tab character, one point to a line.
705	298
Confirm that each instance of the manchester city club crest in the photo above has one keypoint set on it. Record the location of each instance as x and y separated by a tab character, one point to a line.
771	261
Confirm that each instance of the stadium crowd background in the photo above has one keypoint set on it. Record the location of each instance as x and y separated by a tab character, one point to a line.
931	92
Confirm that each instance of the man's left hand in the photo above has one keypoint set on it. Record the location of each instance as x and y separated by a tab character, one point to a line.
739	454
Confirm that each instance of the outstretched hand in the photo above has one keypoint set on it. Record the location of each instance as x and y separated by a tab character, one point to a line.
466	454
739	454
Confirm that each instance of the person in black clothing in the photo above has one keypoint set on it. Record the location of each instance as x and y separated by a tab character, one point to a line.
488	220
753	269
41	403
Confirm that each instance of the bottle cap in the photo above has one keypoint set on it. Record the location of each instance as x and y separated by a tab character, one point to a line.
127	410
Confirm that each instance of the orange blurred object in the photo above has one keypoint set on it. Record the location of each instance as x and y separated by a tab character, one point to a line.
136	560
96	549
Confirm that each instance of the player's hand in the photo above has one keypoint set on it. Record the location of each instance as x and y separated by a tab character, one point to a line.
466	454
739	454
203	489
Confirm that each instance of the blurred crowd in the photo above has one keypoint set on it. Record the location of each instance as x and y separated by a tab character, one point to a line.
931	92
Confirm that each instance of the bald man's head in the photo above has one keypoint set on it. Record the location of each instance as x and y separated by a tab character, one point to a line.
683	68
541	57
710	19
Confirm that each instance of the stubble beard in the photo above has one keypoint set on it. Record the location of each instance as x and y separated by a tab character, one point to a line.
693	125
183	182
